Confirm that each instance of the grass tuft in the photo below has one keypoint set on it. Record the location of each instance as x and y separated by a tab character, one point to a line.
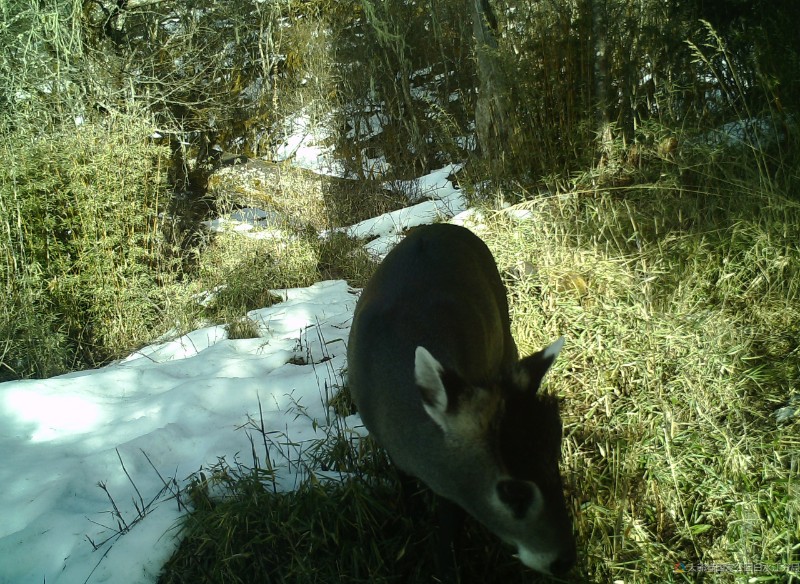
681	344
82	244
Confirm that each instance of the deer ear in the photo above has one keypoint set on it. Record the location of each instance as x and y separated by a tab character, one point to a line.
550	352
428	375
530	371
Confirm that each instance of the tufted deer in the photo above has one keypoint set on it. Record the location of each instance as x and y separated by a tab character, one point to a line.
435	374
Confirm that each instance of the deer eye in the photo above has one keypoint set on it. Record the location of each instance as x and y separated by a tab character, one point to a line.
517	495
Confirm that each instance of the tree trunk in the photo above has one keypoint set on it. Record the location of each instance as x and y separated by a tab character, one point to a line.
602	119
491	107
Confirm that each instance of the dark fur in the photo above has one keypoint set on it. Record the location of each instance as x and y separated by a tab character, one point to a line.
436	376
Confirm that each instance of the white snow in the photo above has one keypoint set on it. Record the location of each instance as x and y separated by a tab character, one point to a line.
179	404
304	145
445	202
142	426
166	411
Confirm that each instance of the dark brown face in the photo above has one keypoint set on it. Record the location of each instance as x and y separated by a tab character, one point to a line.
503	446
528	436
527	445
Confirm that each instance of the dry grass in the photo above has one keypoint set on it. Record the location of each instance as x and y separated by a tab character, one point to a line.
292	193
681	344
83	249
680	312
241	271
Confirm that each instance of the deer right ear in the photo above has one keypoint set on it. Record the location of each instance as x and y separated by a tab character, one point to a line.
529	372
428	375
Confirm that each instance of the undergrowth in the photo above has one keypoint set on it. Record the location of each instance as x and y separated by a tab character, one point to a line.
84	267
680	309
671	267
679	302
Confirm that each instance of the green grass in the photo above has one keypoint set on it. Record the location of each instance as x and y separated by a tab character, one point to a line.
681	344
671	269
84	269
681	312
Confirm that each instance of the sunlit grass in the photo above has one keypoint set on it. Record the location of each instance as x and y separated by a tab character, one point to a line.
681	344
680	312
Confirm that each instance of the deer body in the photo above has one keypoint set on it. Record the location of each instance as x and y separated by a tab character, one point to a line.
434	371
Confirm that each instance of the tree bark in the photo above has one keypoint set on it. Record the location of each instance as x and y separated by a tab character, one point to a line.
600	72
491	107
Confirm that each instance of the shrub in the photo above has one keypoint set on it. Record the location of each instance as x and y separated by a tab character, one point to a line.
81	245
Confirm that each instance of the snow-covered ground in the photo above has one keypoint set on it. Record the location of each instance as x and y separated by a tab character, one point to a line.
127	436
162	413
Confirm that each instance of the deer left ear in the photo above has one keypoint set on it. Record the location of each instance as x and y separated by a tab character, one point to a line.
428	375
530	371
